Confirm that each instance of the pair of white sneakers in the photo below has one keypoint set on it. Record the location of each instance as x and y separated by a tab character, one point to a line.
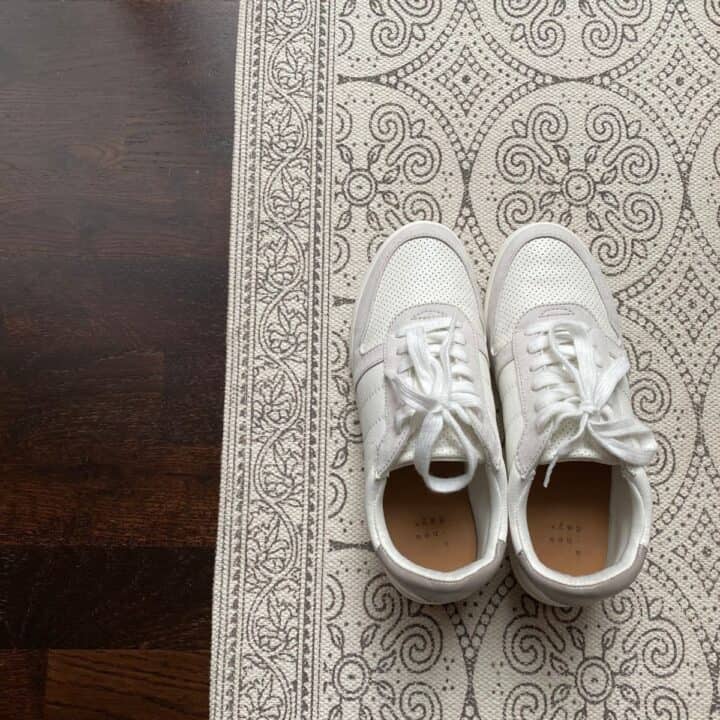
438	497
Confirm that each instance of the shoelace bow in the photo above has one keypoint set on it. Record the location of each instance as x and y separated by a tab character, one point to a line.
581	390
441	395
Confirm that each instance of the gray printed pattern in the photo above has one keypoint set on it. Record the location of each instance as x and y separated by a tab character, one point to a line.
354	117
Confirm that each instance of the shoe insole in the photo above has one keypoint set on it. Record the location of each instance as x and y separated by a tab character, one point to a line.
434	530
569	520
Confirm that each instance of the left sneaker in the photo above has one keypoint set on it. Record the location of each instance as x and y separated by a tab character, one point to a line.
579	502
434	477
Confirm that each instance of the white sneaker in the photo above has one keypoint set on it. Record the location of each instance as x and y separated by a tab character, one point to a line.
435	479
578	498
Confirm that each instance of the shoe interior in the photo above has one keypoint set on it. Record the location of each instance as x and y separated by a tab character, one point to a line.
569	521
437	531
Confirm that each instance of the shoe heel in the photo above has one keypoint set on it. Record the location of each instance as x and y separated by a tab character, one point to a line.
528	586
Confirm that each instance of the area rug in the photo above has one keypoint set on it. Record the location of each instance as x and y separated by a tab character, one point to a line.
354	117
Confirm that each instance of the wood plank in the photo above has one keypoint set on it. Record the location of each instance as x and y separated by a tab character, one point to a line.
127	685
111	401
91	598
116	130
169	498
66	307
115	154
22	683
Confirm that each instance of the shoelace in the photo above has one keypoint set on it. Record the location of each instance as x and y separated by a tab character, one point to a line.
442	394
571	384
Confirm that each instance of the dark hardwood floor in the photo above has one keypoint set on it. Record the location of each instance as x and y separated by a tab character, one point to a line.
115	155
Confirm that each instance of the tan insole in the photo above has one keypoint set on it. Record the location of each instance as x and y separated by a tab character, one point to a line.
434	530
569	520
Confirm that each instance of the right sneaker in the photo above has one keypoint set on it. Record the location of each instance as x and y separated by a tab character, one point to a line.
579	501
435	480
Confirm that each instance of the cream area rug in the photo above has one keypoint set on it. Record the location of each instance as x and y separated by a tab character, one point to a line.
354	117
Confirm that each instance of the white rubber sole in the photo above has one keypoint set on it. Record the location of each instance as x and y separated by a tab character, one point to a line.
521	235
411	596
529	587
419	228
524	234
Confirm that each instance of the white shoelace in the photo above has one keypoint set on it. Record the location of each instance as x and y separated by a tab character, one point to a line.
434	389
571	384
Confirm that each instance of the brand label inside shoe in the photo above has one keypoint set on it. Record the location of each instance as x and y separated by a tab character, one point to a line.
434	530
569	520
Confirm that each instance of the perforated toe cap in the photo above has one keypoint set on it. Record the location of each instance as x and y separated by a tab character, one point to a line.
544	271
420	271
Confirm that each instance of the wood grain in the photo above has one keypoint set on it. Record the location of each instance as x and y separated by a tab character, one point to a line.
157	685
22	682
115	155
90	597
117	136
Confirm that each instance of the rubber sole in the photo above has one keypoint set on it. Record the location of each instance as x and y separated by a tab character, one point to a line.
522	234
420	228
529	587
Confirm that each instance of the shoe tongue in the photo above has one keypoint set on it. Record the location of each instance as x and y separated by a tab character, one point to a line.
584	448
446	449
